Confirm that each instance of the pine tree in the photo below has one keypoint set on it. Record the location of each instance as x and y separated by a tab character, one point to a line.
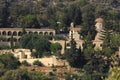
74	56
106	47
12	43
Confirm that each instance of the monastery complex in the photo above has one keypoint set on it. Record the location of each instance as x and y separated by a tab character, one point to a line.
25	54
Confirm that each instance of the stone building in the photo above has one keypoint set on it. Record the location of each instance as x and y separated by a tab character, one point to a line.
74	32
17	32
99	28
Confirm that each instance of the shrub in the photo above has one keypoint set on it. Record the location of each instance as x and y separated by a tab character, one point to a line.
38	63
25	63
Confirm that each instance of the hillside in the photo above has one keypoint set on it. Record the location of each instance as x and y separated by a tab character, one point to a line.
47	13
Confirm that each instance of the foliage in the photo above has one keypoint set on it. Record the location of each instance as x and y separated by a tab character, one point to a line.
9	61
88	47
74	56
23	74
55	47
107	48
70	76
38	42
88	21
38	63
3	38
25	63
16	75
42	45
114	69
27	41
97	67
37	14
4	46
59	37
12	43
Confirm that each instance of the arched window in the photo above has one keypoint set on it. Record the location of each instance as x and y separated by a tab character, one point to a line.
46	33
14	39
35	32
51	33
20	33
14	33
9	33
8	39
4	33
30	32
41	33
19	39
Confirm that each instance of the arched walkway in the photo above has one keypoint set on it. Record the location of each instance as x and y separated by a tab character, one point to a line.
19	39
9	33
46	33
20	33
30	32
9	39
14	33
4	33
35	32
51	33
41	33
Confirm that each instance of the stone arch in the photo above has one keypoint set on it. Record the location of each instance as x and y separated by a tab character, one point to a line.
14	39
9	33
19	33
8	39
41	33
19	39
14	33
4	33
101	45
30	32
51	33
46	33
35	32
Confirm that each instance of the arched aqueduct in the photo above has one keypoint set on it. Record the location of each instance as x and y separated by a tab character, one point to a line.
17	32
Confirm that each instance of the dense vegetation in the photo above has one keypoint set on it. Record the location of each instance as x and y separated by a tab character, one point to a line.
58	14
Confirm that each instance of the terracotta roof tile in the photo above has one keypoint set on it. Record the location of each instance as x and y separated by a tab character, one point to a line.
75	29
100	20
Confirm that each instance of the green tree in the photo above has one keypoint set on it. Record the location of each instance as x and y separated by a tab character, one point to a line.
9	61
107	48
25	63
74	56
16	75
114	69
27	41
38	63
88	21
5	18
55	47
42	45
97	67
88	47
12	43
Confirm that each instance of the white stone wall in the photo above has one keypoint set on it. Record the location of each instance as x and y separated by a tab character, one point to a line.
75	35
46	61
62	43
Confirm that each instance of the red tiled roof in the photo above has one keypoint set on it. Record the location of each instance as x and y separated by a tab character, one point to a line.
75	29
100	20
